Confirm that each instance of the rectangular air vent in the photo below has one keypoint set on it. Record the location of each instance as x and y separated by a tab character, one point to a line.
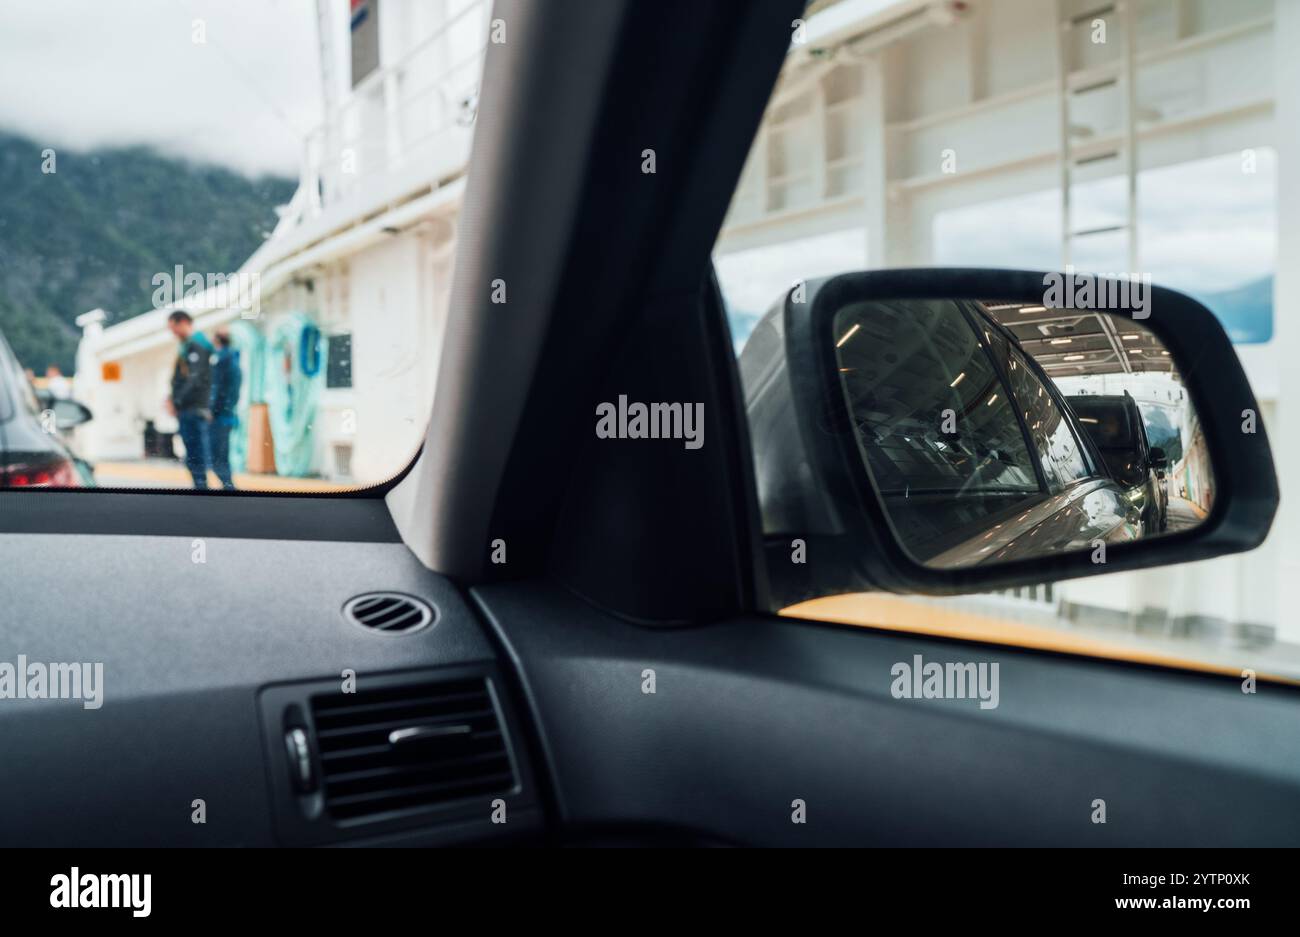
402	749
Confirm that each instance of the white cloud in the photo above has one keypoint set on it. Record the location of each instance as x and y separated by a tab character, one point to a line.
87	73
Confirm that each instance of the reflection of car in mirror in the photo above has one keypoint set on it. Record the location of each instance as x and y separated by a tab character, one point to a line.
1116	427
980	456
971	446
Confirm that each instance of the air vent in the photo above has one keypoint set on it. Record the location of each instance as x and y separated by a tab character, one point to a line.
398	750
389	612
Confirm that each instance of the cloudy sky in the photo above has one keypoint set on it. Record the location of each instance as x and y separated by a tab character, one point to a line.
86	73
1208	225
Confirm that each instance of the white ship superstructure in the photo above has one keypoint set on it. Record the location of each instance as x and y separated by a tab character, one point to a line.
362	254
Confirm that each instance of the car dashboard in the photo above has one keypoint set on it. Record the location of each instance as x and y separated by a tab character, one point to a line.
228	700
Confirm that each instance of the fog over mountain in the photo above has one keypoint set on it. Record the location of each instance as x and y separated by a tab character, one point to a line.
95	231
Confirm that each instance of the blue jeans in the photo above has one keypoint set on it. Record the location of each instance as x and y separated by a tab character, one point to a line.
219	446
194	434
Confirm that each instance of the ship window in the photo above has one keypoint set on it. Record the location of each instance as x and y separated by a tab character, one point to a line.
338	361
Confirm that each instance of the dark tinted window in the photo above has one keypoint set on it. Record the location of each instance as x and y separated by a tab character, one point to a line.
932	414
1059	449
1107	421
338	363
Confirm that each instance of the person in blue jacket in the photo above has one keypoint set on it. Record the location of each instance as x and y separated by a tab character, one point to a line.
191	394
226	378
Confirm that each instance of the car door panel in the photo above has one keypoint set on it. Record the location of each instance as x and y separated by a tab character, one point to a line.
751	714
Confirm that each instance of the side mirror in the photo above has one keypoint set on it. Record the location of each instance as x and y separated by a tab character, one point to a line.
69	413
1159	460
950	431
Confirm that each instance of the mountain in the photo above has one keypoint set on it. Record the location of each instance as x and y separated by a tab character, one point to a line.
1246	312
94	232
1162	432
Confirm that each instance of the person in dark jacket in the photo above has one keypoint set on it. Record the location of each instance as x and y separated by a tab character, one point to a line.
191	394
226	378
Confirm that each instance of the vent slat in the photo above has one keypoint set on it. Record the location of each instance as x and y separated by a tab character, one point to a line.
377	747
392	712
405	620
426	696
390	724
389	612
364	776
502	780
433	691
361	751
408	771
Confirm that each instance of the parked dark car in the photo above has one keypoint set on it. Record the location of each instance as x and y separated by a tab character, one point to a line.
1116	427
31	456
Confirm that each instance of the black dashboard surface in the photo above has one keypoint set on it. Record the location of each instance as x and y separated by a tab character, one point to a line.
185	647
749	715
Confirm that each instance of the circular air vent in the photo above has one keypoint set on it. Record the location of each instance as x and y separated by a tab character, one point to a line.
389	612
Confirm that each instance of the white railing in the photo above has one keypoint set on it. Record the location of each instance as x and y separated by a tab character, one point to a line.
413	116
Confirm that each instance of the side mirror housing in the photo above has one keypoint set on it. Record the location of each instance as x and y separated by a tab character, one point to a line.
69	413
877	448
1159	460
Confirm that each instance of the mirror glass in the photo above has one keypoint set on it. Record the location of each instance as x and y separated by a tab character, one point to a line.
69	414
997	431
